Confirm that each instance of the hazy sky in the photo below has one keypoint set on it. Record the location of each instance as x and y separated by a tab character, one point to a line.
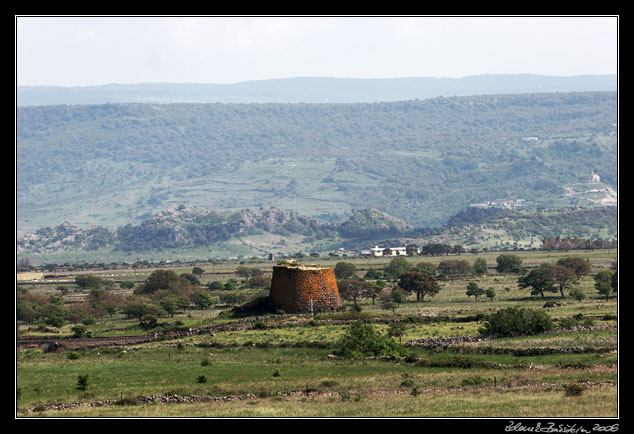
81	51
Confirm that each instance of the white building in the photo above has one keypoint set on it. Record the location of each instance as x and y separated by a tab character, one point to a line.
394	251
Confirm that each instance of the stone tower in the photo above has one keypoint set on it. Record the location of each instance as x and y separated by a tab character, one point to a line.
294	286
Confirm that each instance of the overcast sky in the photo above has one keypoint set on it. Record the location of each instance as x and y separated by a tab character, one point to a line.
82	51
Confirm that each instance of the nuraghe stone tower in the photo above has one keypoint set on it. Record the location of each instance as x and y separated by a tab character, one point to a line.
294	286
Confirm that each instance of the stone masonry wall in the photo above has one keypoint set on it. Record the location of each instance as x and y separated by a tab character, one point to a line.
293	287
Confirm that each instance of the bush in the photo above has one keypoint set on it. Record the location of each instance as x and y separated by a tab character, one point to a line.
361	339
574	389
79	331
517	321
82	382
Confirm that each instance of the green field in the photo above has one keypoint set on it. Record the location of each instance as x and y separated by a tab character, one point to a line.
289	367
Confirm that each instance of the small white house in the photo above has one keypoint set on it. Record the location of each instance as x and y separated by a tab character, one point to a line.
394	251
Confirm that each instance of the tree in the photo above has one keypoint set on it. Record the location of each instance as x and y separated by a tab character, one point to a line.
172	303
419	283
454	267
603	283
490	293
396	267
411	250
580	266
480	267
259	281
202	300
563	276
474	290
577	294
373	274
215	285
375	290
540	280
352	289
387	303
345	270
197	271
458	249
162	279
509	263
398	296
396	330
242	271
427	268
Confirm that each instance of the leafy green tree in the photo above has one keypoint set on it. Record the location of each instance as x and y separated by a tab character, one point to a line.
580	266
480	267
202	300
396	330
603	283
162	280
215	285
427	268
490	293
345	270
411	249
563	276
577	294
540	280
191	279
197	271
473	289
454	267
396	267
421	284
173	303
398	296
509	263
373	274
352	289
259	281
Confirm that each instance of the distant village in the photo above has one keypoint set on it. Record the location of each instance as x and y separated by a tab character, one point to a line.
500	203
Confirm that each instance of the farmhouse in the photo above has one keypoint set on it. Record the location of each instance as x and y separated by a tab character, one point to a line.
386	251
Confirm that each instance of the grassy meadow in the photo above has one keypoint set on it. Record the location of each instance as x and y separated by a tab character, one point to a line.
275	365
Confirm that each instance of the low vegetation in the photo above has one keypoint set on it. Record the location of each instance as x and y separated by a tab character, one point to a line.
133	350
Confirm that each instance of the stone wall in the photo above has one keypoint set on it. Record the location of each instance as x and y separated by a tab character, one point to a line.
292	288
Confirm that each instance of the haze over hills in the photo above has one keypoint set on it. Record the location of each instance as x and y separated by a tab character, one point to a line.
421	161
313	89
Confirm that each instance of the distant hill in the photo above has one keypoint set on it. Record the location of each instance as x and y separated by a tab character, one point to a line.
421	161
313	90
189	232
185	226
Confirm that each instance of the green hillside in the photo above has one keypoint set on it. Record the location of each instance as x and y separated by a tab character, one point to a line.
421	161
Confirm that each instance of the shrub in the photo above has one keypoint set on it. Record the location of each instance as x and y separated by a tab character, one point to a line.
201	379
361	339
82	382
79	331
574	389
517	321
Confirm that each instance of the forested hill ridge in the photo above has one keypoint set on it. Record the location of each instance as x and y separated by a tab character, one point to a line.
313	89
420	161
183	231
